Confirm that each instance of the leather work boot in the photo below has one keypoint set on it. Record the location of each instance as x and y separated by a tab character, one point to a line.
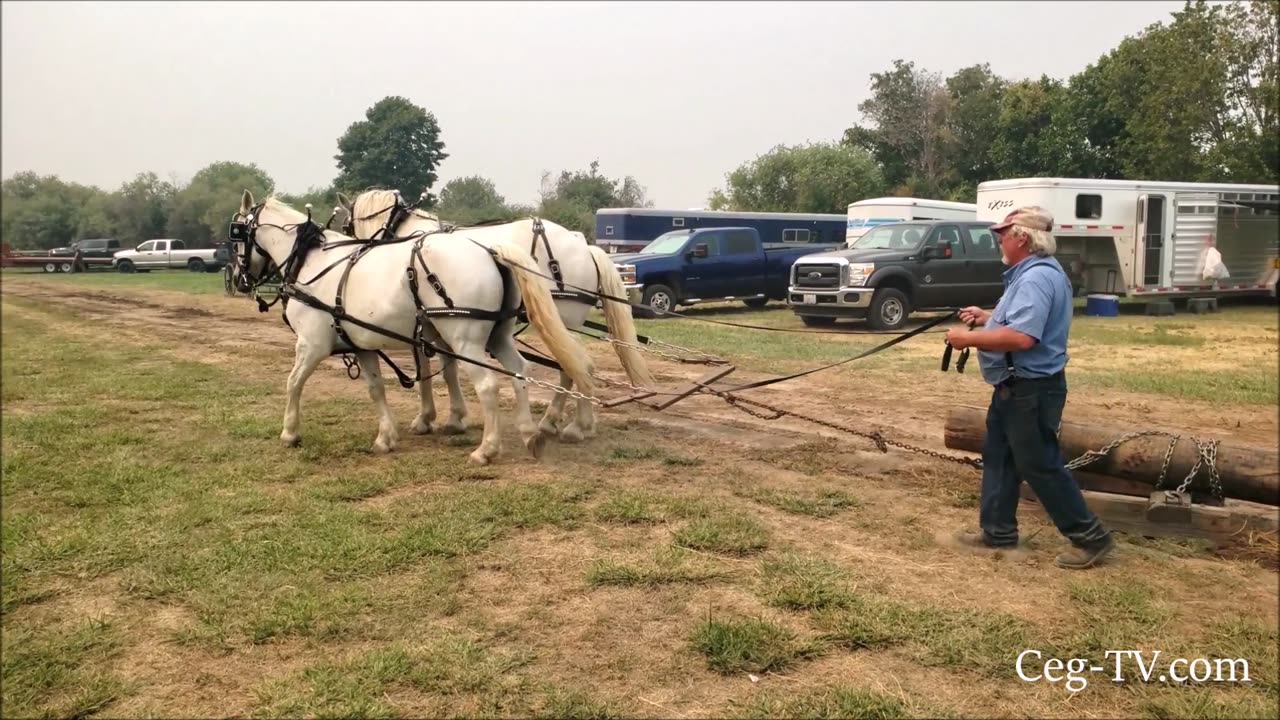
974	539
1080	558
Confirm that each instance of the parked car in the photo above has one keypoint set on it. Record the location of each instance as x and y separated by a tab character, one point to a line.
89	248
154	254
686	267
896	268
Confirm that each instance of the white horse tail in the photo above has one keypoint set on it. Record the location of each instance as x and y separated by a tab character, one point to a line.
617	316
545	317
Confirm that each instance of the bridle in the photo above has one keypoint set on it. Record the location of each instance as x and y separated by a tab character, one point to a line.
398	211
242	232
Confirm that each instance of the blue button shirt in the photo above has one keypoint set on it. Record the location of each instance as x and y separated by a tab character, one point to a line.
1037	302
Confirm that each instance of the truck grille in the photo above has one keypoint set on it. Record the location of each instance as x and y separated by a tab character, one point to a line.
818	276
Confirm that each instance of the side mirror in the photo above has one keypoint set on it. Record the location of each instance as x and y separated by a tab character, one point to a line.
700	250
938	250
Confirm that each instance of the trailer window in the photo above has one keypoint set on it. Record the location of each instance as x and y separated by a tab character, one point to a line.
1088	207
608	229
795	236
677	222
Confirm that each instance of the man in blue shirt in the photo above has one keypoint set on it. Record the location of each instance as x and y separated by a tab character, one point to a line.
1022	351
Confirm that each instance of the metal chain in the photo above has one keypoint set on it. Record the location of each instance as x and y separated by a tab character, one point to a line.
557	388
1207	455
708	359
882	443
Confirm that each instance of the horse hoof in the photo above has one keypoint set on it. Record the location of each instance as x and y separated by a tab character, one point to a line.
571	434
420	428
452	428
478	458
536	444
291	441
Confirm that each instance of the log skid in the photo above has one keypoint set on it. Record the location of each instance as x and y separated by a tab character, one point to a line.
1246	473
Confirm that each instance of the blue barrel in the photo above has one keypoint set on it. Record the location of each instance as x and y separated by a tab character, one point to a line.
1102	305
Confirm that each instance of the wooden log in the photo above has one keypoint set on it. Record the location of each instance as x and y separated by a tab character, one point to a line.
1246	473
1129	515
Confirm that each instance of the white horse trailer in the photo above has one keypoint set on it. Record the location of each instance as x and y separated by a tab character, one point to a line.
866	214
1138	238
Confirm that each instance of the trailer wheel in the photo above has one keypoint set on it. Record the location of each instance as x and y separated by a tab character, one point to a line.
51	267
756	302
65	267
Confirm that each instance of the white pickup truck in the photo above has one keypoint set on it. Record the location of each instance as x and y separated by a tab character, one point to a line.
166	254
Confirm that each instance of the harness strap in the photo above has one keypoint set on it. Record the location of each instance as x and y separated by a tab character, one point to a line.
540	231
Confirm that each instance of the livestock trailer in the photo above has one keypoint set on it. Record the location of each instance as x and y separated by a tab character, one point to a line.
866	214
630	229
1153	238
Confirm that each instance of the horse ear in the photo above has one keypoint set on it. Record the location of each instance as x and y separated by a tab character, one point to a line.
344	202
246	202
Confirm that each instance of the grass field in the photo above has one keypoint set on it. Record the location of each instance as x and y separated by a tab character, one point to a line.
164	556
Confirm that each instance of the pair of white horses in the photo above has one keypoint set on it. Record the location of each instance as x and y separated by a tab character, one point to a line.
377	291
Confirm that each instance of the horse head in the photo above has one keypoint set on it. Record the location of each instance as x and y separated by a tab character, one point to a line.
267	237
378	211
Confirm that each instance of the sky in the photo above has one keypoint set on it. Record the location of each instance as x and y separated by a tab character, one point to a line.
676	94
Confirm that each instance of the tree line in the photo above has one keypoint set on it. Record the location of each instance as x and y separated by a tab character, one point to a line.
1193	99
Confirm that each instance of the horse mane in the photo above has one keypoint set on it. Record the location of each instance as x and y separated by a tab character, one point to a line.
376	198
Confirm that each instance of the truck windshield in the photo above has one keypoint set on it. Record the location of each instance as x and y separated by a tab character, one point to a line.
892	237
666	243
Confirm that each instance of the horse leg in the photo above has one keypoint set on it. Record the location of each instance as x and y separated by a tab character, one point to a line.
571	433
387	436
426	400
457	422
509	356
555	409
305	361
487	390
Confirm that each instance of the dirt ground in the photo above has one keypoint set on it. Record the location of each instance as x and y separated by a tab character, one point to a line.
618	640
224	330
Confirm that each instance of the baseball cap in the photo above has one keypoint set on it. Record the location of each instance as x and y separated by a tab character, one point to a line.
1032	216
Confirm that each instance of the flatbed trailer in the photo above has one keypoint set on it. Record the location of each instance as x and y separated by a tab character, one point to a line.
50	263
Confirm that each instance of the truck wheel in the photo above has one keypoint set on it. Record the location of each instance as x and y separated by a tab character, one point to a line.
659	300
889	309
126	266
756	302
817	321
195	265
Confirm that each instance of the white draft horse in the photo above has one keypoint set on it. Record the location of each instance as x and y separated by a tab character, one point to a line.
375	285
581	266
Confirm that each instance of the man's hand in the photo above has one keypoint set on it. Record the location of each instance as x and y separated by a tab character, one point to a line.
959	338
974	315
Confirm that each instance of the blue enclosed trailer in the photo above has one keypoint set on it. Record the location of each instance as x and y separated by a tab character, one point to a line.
630	229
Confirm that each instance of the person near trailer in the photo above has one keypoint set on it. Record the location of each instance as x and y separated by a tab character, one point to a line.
1022	352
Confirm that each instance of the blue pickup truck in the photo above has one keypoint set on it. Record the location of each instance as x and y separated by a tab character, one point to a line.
686	267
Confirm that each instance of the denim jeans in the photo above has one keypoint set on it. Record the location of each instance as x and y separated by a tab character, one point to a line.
1022	444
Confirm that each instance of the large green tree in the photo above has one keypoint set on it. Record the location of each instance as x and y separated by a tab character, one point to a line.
397	146
573	198
202	209
909	134
472	199
814	178
40	212
973	122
